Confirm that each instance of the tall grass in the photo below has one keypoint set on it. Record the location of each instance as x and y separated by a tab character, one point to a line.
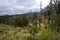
8	32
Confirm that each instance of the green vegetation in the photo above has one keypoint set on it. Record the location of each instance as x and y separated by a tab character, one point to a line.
44	25
8	32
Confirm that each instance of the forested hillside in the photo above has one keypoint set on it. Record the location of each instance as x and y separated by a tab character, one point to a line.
43	25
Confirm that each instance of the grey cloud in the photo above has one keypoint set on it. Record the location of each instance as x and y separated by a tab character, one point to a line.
17	6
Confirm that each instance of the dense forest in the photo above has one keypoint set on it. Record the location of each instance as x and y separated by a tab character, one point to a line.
43	25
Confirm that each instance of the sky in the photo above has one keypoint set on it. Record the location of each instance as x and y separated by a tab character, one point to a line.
21	6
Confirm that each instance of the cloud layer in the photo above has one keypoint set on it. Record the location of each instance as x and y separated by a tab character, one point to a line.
18	6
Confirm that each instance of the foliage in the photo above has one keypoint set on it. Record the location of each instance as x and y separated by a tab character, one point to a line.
25	27
8	32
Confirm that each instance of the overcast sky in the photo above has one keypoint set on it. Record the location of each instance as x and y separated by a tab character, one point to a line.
20	6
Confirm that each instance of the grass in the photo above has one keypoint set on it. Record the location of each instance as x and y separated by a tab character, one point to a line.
9	32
